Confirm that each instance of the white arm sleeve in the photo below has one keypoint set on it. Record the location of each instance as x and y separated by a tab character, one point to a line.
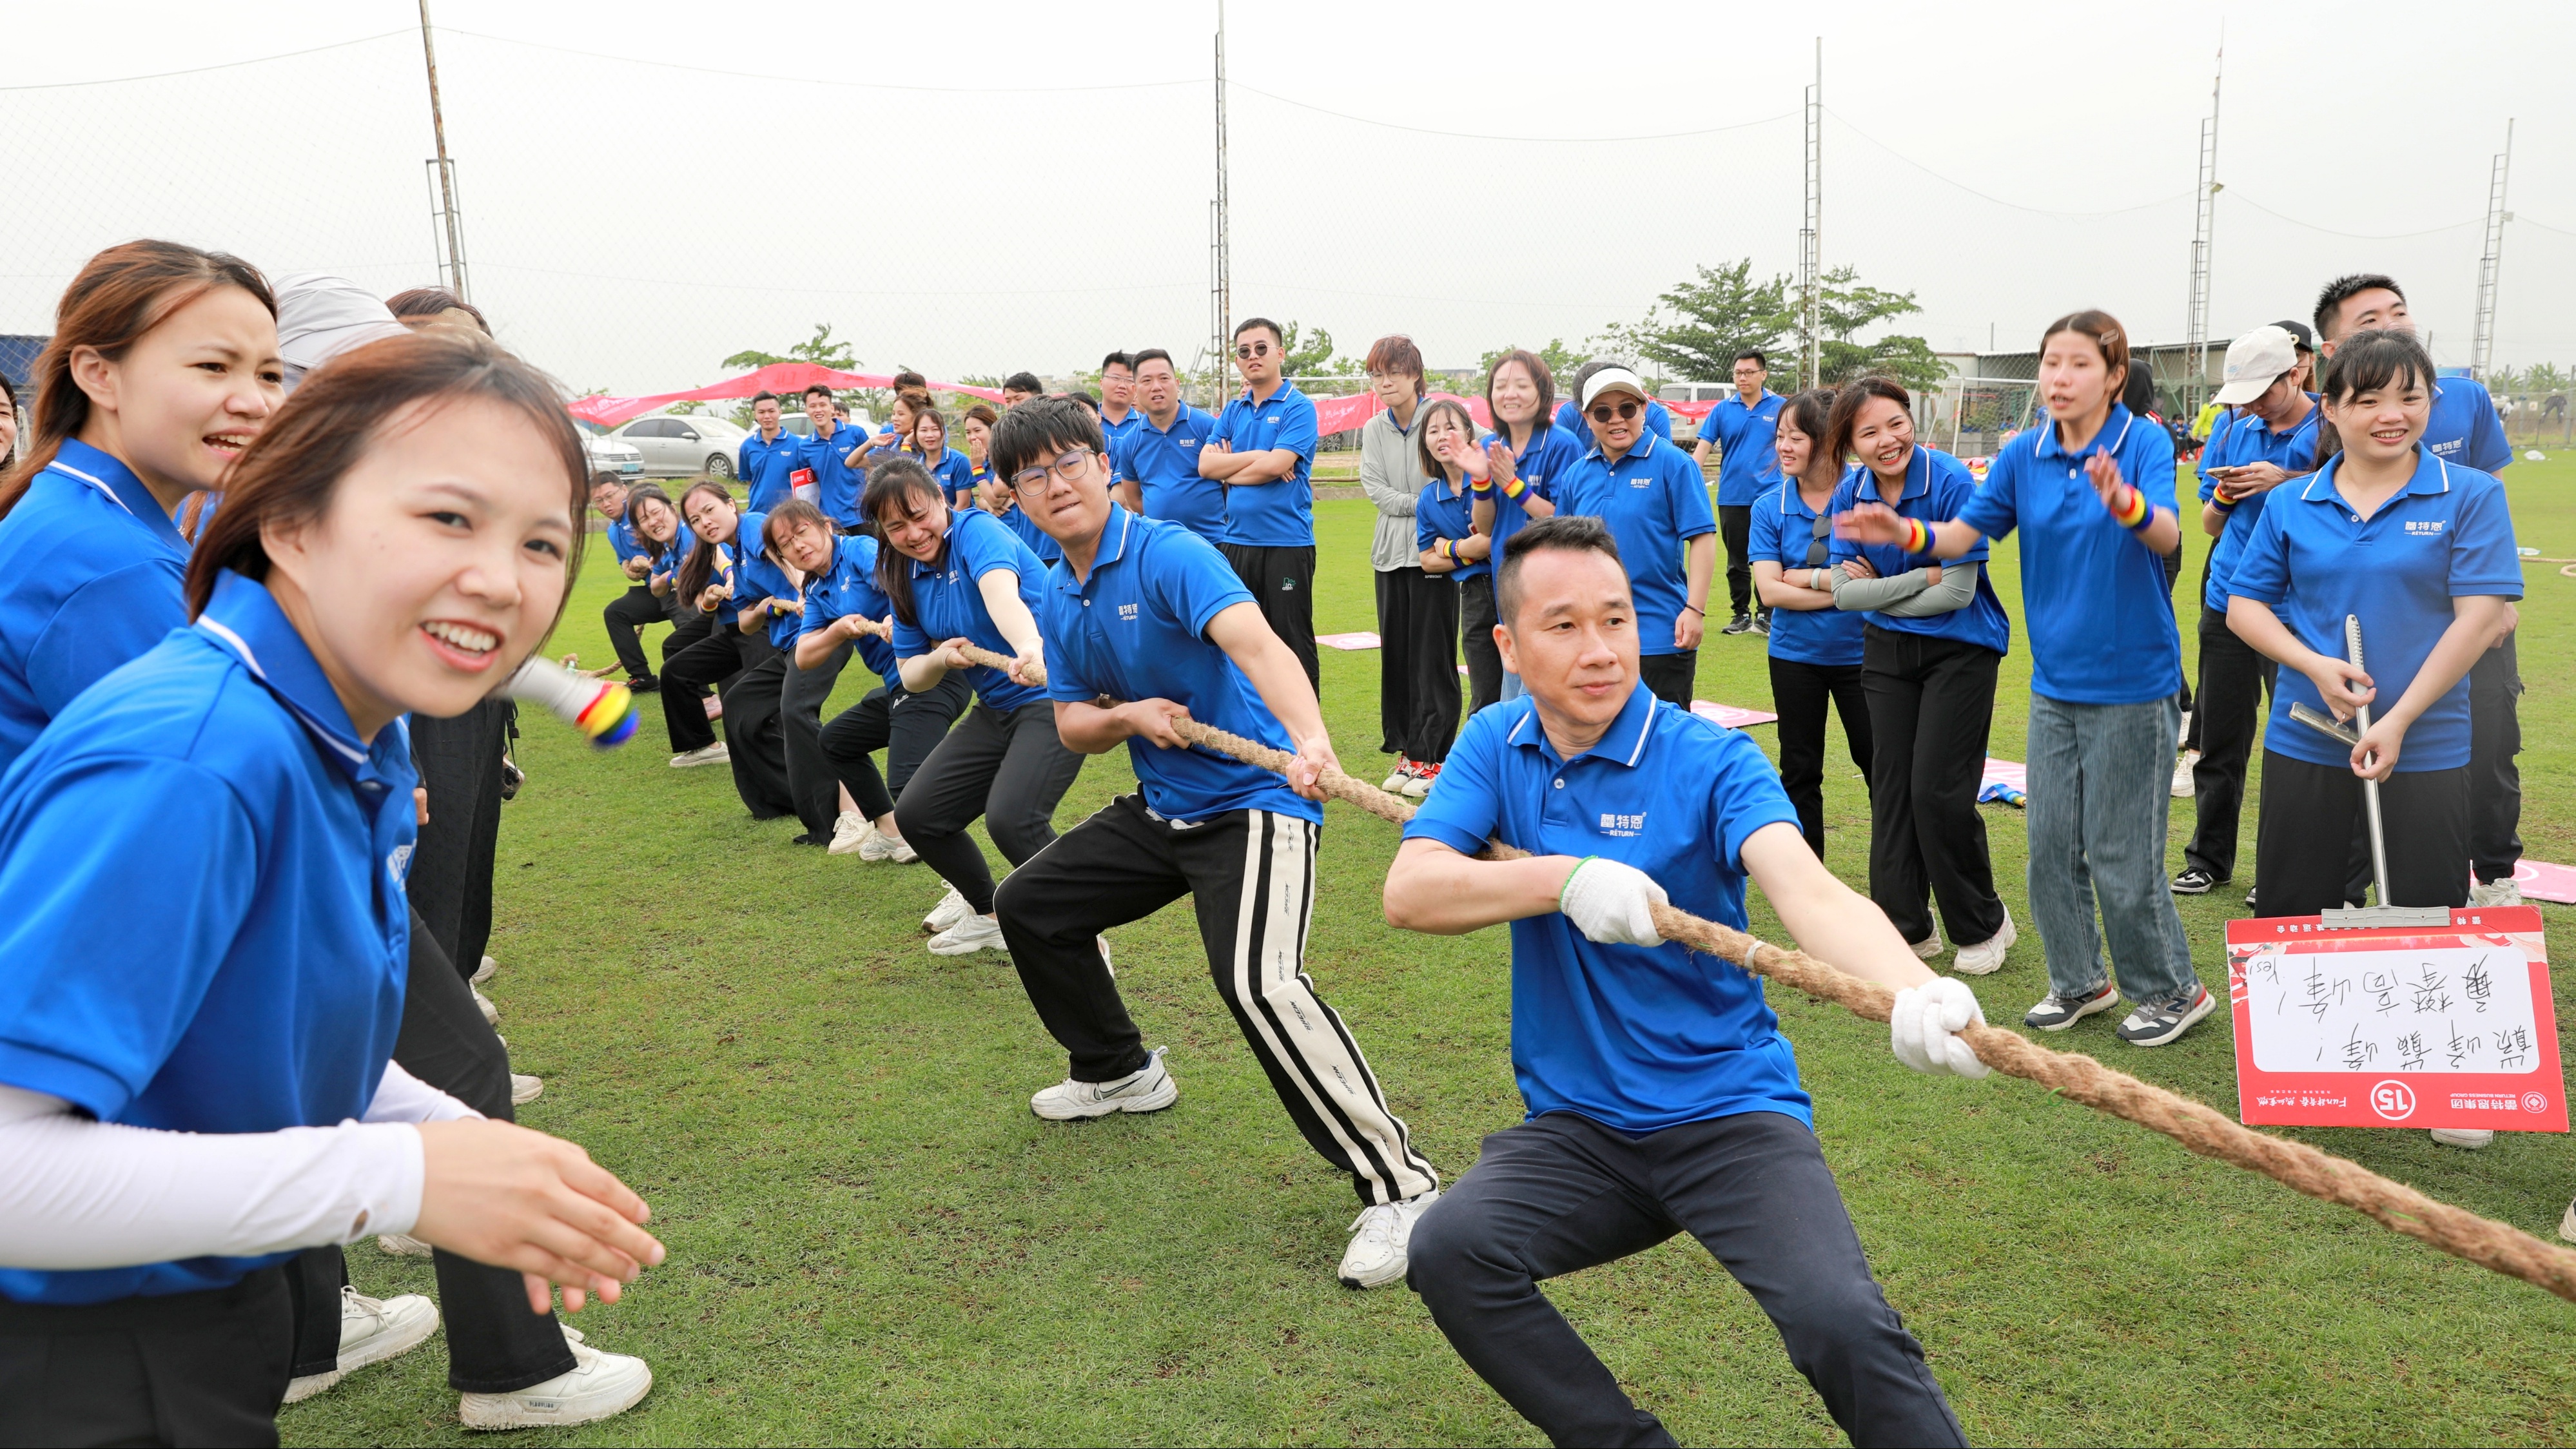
402	1097
80	1193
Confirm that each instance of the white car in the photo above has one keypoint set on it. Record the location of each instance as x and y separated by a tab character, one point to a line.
611	458
689	445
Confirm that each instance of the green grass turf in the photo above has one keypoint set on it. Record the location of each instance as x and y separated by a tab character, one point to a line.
872	1240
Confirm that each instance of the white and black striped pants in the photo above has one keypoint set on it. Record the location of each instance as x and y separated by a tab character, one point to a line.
1251	876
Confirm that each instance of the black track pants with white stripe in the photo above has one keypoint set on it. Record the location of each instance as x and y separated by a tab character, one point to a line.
1251	877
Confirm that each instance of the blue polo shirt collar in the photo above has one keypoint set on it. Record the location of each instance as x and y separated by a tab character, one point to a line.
92	468
1622	744
2114	430
1644	445
2432	478
1113	547
1914	487
1262	402
244	618
1145	420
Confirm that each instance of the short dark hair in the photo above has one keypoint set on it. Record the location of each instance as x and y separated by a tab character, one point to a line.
1119	359
1153	354
1248	323
2368	361
1023	382
1536	366
1036	430
636	497
1754	356
1083	398
1397	354
910	381
762	396
824	389
1565	533
1847	405
2343	289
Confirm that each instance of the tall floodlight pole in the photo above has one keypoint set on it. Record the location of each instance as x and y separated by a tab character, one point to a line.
2204	218
454	268
1811	236
1220	260
2491	260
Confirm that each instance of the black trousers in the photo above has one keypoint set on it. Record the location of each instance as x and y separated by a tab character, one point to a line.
751	676
1282	581
905	725
451	866
1417	664
185	1368
2495	782
1476	641
2234	682
701	656
1931	703
1801	693
1250	876
1009	768
1670	676
625	614
800	721
1735	527
2173	570
2301	861
1564	1193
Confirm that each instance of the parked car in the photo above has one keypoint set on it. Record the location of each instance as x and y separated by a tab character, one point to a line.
611	457
687	445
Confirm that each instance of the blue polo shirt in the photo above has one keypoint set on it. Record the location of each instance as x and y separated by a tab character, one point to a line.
2447	535
1165	464
622	540
955	474
947	604
767	469
1026	530
834	462
1280	513
1553	452
260	988
1937	486
2464	429
2248	439
1439	514
1638	1038
1748	465
848	585
94	570
1137	629
1111	432
2094	599
1655	500
1783	532
667	568
762	577
1659	420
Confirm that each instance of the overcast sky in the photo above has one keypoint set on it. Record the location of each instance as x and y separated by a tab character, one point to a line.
1029	187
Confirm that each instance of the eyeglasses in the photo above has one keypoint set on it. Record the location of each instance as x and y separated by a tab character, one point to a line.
1819	545
1605	412
1069	468
1250	350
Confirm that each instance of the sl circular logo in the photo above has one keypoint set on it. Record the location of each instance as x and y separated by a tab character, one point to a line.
2393	1100
2534	1102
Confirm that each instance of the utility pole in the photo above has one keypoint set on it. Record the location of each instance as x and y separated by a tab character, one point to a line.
1811	236
2491	261
452	271
2204	218
1220	260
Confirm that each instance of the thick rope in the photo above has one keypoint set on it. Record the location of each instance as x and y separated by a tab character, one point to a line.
2204	1130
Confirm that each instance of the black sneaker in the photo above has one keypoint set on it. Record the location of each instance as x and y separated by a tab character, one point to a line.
810	838
643	684
2057	1012
2249	898
2159	1021
2193	882
1741	623
1762	625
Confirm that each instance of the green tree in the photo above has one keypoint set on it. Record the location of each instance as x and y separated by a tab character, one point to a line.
1694	331
1561	360
1310	354
1845	308
821	349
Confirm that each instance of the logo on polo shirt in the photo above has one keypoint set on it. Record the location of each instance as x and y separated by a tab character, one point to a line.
1126	611
2424	525
398	864
1624	825
2445	450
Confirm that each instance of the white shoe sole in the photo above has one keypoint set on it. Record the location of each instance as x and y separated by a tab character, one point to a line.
394	1342
1376	1280
1973	961
2094	1008
940	945
509	1411
1154	1101
522	1095
1929	950
484	972
402	1245
2208	1004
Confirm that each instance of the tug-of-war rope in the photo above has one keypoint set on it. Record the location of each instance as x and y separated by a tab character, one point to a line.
2483	1241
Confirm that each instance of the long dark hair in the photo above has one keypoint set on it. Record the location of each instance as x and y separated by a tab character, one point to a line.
1810	412
120	294
1536	366
289	473
899	483
700	565
654	548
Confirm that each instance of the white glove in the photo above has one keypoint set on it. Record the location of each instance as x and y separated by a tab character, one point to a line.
1612	903
1924	1031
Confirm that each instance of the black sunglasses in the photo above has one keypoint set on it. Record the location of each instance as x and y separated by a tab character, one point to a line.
1623	412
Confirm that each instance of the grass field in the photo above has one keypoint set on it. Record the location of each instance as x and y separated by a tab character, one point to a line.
873	1241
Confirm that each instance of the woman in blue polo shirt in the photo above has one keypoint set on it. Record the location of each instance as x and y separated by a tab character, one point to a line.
1933	638
1526	456
957	576
714	583
2422	552
1815	648
2092	491
189	1094
956	474
770	598
1448	545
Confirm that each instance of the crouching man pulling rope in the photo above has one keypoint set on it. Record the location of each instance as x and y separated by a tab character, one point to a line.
1662	1097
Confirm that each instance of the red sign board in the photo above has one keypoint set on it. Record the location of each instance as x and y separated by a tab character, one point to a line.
2396	1026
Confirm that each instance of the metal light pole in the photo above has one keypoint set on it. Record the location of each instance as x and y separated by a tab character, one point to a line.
2491	261
2204	220
1811	236
1220	260
453	270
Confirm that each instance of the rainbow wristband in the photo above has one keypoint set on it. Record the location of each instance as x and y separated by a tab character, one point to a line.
1918	539
1482	485
1515	488
2129	506
1449	549
2219	500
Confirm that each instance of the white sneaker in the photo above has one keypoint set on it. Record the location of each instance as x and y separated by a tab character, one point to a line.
525	1089
371	1331
2495	893
973	934
2472	1138
1395	782
881	846
1379	1238
715	754
1149	1088
599	1386
402	1245
1931	947
2182	787
2567	1222
483	1004
1104	957
849	832
1985	957
484	972
951	909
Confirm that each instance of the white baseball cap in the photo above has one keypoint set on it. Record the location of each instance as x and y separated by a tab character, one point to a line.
1613	379
2254	360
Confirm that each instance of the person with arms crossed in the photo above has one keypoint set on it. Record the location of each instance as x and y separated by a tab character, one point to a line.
835	453
1741	427
1262	451
1814	648
1417	614
1655	501
768	445
1157	463
1147	613
1445	532
1662	1097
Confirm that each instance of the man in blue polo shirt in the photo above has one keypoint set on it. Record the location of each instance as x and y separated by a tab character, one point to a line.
1118	414
1748	467
1147	613
1662	1097
1655	500
638	606
768	455
1263	451
834	454
1156	464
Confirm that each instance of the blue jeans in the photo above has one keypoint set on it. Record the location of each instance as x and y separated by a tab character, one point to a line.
2101	787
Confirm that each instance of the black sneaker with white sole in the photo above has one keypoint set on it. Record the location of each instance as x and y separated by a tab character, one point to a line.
1740	624
2057	1011
2165	1018
2193	882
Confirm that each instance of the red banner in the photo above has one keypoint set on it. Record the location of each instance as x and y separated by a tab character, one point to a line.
1341	414
787	379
